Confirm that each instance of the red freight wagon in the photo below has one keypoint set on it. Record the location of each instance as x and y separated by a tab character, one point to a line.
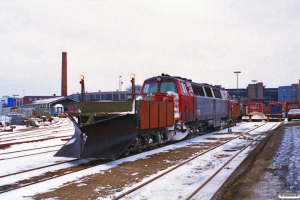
236	109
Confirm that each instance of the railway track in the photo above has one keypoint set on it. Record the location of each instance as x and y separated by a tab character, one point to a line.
158	178
198	190
85	167
33	130
22	154
63	130
38	179
10	155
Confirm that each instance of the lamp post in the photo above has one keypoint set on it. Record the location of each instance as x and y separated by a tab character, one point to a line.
82	87
132	76
237	82
120	83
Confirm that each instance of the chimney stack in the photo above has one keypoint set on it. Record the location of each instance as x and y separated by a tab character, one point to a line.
64	81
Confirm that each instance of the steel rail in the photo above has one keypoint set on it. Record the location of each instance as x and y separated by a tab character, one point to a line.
28	141
177	166
223	166
45	179
30	149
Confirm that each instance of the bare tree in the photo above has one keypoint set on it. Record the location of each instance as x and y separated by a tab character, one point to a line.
137	88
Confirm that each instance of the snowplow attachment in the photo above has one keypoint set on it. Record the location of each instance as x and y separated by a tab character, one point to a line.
105	139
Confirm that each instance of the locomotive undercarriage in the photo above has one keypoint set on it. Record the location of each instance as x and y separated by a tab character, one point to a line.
150	139
147	140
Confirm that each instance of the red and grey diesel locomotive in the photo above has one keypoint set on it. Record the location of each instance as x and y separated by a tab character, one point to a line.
199	105
168	108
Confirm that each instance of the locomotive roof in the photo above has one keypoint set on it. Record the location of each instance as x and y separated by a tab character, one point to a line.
167	76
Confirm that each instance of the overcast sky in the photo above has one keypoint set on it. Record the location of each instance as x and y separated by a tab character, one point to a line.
205	41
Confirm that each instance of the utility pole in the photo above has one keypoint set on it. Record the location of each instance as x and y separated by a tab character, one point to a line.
120	83
237	82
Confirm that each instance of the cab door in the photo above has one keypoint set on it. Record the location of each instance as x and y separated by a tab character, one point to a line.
188	101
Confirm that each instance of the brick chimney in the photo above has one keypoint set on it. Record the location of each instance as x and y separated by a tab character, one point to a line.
64	80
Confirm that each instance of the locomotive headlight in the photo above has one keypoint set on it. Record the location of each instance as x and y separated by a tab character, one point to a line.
81	77
159	78
132	75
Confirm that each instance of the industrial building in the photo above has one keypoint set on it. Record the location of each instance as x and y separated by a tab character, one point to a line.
53	106
288	93
258	92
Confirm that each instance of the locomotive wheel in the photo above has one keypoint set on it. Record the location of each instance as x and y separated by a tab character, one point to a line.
139	150
151	146
126	153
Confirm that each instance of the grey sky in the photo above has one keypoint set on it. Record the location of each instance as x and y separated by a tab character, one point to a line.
205	41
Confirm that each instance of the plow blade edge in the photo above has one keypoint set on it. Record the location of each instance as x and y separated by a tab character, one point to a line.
105	139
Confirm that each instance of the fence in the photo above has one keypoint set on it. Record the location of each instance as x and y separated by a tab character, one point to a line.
14	118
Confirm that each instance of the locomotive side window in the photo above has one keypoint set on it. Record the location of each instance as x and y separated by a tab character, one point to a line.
195	89
201	92
167	86
217	93
208	92
184	89
150	88
198	90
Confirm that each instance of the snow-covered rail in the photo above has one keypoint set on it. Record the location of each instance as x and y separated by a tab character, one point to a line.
61	129
199	193
215	149
176	171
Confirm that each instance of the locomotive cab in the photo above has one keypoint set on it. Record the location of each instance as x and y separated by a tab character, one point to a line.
163	88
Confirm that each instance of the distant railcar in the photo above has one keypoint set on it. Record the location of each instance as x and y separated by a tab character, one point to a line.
291	105
255	107
236	109
274	108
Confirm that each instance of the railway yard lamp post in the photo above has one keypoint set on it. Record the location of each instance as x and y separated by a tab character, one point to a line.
120	83
132	76
237	82
82	87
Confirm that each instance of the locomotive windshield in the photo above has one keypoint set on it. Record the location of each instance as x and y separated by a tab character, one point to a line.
254	107
293	105
150	88
167	86
164	87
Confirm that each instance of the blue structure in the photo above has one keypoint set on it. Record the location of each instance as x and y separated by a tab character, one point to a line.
7	101
10	102
288	93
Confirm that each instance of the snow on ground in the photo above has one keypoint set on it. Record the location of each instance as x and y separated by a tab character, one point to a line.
287	158
198	170
204	163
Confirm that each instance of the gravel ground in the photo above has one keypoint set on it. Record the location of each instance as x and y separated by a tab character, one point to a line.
276	169
107	183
